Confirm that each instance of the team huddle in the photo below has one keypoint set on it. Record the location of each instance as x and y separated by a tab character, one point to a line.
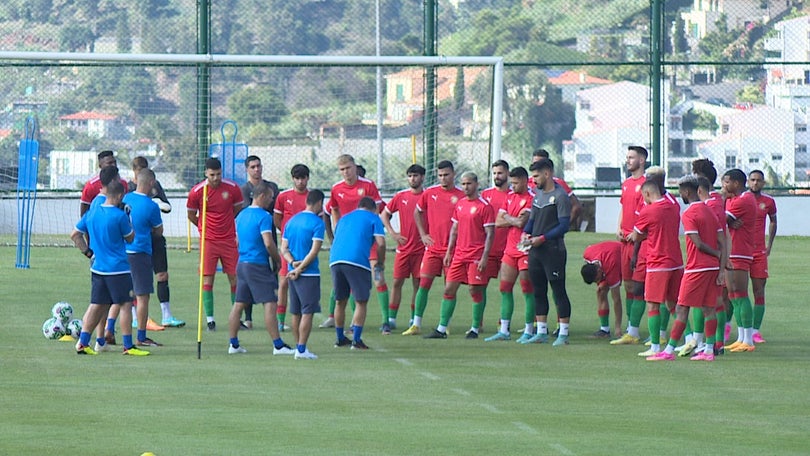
512	231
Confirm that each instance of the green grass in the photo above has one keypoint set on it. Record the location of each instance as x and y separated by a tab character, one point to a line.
407	395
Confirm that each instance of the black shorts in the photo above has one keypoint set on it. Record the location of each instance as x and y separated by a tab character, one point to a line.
255	283
110	289
160	263
305	295
350	278
140	265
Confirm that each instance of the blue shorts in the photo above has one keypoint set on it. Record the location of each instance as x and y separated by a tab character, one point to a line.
110	289
255	283
140	266
305	295
350	278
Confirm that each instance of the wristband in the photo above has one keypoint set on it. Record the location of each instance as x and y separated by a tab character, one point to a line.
88	253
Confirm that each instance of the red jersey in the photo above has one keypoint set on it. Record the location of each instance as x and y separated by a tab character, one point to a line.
471	216
220	210
435	205
660	221
93	187
631	200
743	207
766	207
497	199
288	203
699	219
404	202
516	203
346	197
609	255
718	206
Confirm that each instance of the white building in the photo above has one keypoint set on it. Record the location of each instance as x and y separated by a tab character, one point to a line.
704	15
70	169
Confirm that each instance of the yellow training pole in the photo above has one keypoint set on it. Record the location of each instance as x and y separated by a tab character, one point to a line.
413	149
201	221
188	235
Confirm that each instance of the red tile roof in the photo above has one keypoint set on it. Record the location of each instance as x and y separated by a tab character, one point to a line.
576	77
87	115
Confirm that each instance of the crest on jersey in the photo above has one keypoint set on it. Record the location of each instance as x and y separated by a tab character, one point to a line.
473	210
360	191
638	188
762	206
522	203
454	199
551	200
225	195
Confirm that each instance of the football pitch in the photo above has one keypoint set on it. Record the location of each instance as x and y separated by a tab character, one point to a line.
406	395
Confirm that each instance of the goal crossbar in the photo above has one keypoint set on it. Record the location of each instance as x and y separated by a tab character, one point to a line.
278	60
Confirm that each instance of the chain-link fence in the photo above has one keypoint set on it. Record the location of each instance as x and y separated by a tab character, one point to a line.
579	81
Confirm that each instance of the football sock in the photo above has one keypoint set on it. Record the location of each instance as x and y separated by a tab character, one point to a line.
421	302
478	309
281	314
542	327
278	343
332	303
677	331
127	341
746	311
507	305
248	312
530	312
339	333
111	325
665	314
759	311
563	329
604	319
699	320
637	312
719	332
141	335
301	348
352	303
448	307
504	326
711	332
393	310
654	324
99	340
84	339
208	300
165	310
358	333
233	294
382	299
235	342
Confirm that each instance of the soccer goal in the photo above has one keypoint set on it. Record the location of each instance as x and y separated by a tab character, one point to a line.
289	109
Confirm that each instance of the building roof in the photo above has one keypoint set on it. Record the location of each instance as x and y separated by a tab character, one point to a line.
576	78
87	115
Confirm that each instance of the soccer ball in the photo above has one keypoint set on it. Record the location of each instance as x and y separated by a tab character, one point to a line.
53	328
74	328
63	311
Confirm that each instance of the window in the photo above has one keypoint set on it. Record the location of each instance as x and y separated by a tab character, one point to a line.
585	105
731	161
801	148
400	92
801	128
753	160
724	128
62	165
776	157
584	158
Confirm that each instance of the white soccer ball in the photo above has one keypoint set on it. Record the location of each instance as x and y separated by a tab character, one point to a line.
53	328
74	328
63	311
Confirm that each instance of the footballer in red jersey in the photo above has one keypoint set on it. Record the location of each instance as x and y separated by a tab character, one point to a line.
766	209
496	197
603	265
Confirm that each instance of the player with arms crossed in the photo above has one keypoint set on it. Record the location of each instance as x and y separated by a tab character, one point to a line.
224	203
512	216
431	216
409	245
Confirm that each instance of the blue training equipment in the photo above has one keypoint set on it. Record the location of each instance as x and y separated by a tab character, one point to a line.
26	192
231	154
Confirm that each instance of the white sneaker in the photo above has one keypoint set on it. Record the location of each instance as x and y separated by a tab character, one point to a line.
284	350
101	348
233	350
305	355
328	323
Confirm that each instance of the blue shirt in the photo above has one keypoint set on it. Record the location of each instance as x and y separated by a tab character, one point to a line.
300	232
97	201
145	215
354	236
250	224
107	226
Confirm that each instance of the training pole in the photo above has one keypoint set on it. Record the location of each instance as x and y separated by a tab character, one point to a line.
203	215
